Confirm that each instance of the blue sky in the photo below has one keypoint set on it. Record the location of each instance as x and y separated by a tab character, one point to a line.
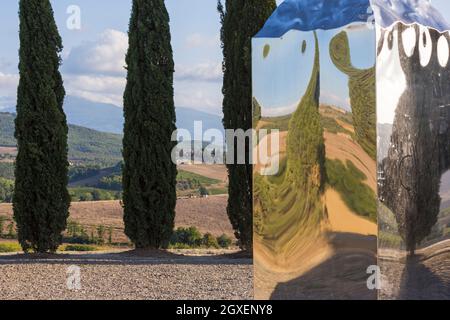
94	56
281	78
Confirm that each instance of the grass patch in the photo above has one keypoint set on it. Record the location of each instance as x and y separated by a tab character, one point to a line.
389	240
218	191
281	123
348	180
80	194
202	180
8	247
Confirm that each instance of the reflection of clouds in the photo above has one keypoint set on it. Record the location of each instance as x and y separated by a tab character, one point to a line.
391	81
279	111
335	100
280	79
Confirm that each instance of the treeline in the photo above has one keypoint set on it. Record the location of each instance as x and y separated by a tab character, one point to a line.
149	178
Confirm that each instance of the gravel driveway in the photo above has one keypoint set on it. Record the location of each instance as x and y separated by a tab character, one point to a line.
126	276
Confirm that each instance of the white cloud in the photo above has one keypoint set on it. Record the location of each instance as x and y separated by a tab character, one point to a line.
208	71
8	89
279	111
105	56
103	89
196	40
205	97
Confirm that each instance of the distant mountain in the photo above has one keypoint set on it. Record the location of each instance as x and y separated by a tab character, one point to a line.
109	118
93	115
86	146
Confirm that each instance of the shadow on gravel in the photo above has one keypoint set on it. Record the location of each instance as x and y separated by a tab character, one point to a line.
343	276
132	257
419	282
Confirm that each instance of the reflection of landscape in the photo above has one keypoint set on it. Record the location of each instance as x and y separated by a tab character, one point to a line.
315	222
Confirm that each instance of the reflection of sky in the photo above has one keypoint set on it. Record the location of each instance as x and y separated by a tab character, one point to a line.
280	80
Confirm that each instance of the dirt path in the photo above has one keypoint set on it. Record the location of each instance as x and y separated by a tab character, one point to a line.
341	147
125	276
342	219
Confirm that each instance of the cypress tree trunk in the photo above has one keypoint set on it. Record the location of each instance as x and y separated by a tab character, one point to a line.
41	200
149	175
241	20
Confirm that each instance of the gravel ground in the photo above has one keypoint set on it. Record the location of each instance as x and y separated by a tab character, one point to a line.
126	276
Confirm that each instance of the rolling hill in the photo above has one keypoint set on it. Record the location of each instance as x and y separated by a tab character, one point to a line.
86	146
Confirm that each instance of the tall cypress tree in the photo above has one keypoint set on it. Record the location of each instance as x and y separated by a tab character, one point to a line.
149	175
241	20
41	200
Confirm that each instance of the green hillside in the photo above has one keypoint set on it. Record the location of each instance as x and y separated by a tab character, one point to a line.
362	93
86	146
7	129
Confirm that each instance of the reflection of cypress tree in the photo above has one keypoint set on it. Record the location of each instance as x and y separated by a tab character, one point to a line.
41	200
149	175
305	145
241	20
290	204
256	111
419	151
362	93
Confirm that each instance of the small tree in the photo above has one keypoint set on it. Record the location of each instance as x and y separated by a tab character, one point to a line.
210	241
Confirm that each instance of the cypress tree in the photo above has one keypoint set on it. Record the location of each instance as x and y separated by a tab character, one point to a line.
149	175
241	20
41	200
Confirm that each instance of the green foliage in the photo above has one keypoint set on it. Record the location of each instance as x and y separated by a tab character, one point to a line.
203	191
362	93
82	194
149	175
217	191
256	111
188	236
332	126
112	182
348	180
280	123
76	234
210	241
7	171
9	247
191	238
241	20
224	241
196	178
94	148
86	147
78	173
79	248
41	200
7	130
6	190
